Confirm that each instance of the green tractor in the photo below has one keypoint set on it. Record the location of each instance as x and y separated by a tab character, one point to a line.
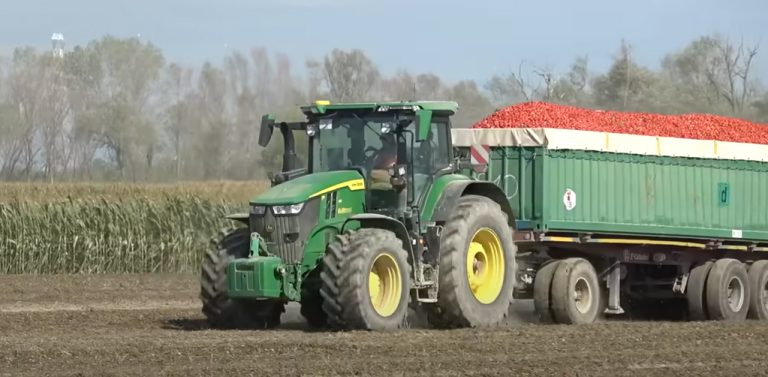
378	220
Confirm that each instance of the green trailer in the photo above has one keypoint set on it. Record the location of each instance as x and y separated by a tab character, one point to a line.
395	209
662	222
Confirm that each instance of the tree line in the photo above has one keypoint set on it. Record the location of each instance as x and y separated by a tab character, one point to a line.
117	109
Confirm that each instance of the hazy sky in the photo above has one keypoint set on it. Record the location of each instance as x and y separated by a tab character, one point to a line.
455	39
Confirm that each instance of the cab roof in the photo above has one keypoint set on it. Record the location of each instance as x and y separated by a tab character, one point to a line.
321	107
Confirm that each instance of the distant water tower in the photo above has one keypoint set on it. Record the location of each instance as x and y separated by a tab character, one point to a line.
57	41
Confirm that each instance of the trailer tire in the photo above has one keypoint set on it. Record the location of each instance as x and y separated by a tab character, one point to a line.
542	291
575	292
695	292
728	291
479	219
758	283
219	309
354	262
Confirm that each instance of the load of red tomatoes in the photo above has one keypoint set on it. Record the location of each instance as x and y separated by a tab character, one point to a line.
689	126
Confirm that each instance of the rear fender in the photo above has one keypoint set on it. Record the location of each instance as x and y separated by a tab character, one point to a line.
456	189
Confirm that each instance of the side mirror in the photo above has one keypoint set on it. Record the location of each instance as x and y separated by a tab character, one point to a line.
423	122
265	132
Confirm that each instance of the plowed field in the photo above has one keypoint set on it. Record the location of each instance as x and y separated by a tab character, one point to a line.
151	325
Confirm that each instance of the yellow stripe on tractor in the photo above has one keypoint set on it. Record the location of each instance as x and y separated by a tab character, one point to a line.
352	185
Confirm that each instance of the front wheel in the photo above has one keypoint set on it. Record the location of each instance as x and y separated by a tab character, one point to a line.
476	267
366	281
220	310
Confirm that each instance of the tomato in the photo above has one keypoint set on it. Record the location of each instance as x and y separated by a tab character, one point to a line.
689	126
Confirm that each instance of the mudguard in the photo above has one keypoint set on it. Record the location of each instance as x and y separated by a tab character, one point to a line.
374	220
456	189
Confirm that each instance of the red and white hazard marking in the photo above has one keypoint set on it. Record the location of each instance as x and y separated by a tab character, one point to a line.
479	157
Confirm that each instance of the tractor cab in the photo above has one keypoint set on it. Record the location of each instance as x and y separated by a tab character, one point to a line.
397	148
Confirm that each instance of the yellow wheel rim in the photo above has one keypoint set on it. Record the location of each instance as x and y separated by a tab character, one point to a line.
385	285
485	266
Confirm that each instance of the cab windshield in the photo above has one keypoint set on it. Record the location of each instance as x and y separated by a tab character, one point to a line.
354	142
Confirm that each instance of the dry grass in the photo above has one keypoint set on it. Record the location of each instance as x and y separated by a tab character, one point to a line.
113	228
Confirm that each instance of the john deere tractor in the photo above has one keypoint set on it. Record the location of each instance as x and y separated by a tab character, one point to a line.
378	219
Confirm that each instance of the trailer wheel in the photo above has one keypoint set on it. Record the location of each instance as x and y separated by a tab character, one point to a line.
542	291
366	281
728	291
575	292
476	267
758	284
695	292
219	309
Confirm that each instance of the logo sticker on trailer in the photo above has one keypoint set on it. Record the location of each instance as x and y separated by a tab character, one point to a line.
569	199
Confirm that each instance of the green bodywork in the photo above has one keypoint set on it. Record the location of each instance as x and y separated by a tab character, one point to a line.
303	188
421	105
330	199
265	275
668	197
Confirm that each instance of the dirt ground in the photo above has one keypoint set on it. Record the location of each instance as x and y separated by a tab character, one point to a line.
151	325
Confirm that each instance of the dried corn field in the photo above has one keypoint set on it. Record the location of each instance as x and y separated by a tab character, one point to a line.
103	228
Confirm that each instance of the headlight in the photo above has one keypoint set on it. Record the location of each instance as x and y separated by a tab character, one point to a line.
258	210
290	209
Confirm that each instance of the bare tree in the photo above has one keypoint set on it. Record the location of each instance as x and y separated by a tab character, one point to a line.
27	88
516	87
349	75
729	73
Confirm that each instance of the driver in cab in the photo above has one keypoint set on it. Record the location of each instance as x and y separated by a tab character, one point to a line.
385	159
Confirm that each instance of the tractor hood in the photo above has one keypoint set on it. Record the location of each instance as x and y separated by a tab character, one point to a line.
309	186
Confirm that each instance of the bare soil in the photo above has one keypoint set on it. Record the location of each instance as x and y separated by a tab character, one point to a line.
147	325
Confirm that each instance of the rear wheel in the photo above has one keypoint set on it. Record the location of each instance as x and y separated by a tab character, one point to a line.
366	281
542	290
476	266
219	309
728	291
758	284
694	292
575	292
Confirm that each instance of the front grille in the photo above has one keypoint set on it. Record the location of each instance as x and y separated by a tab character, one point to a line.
286	235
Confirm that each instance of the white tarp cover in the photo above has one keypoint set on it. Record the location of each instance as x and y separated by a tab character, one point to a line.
609	142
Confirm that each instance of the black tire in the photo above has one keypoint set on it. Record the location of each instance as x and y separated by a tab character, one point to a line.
345	277
219	309
542	291
758	283
572	275
728	291
456	305
312	301
695	292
